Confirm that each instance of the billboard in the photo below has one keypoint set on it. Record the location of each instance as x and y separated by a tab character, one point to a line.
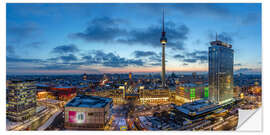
76	117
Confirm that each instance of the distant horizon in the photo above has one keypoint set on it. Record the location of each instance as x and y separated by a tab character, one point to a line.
152	73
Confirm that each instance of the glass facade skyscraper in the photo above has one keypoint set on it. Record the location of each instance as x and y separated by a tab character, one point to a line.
220	72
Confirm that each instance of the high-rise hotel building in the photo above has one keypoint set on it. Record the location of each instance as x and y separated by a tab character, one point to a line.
21	100
220	72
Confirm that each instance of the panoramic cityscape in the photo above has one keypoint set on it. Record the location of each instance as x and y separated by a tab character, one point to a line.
132	67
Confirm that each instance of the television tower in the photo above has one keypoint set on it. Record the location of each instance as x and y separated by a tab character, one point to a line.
163	41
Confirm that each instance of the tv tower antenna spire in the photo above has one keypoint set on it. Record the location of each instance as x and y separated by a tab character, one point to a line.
163	30
163	41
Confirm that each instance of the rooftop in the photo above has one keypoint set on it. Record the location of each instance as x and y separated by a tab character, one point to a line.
193	85
64	87
88	101
41	85
20	80
197	107
220	43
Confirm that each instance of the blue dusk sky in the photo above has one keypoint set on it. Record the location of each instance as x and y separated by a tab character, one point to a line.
120	38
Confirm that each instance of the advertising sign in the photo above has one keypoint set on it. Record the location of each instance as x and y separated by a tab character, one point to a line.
76	117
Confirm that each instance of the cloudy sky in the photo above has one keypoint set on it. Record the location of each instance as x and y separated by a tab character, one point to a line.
120	38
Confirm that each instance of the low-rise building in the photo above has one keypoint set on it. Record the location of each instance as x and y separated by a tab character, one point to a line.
197	109
156	96
191	92
87	112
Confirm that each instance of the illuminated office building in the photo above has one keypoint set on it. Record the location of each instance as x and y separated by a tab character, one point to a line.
191	92
63	93
115	94
220	72
154	96
21	100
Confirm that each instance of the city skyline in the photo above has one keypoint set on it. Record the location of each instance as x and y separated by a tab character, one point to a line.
78	38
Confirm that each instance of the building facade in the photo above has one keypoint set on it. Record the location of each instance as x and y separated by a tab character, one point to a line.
115	94
220	72
197	109
21	100
88	112
191	92
154	96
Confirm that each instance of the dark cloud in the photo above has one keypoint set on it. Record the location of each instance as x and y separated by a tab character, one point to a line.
109	59
150	57
155	64
238	64
201	56
193	57
103	29
139	54
156	58
244	69
58	67
179	56
68	58
54	59
43	64
226	37
176	35
190	60
121	62
64	49
48	64
89	60
248	70
25	60
197	54
97	57
107	30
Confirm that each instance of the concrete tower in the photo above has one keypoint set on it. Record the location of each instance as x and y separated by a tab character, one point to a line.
163	41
